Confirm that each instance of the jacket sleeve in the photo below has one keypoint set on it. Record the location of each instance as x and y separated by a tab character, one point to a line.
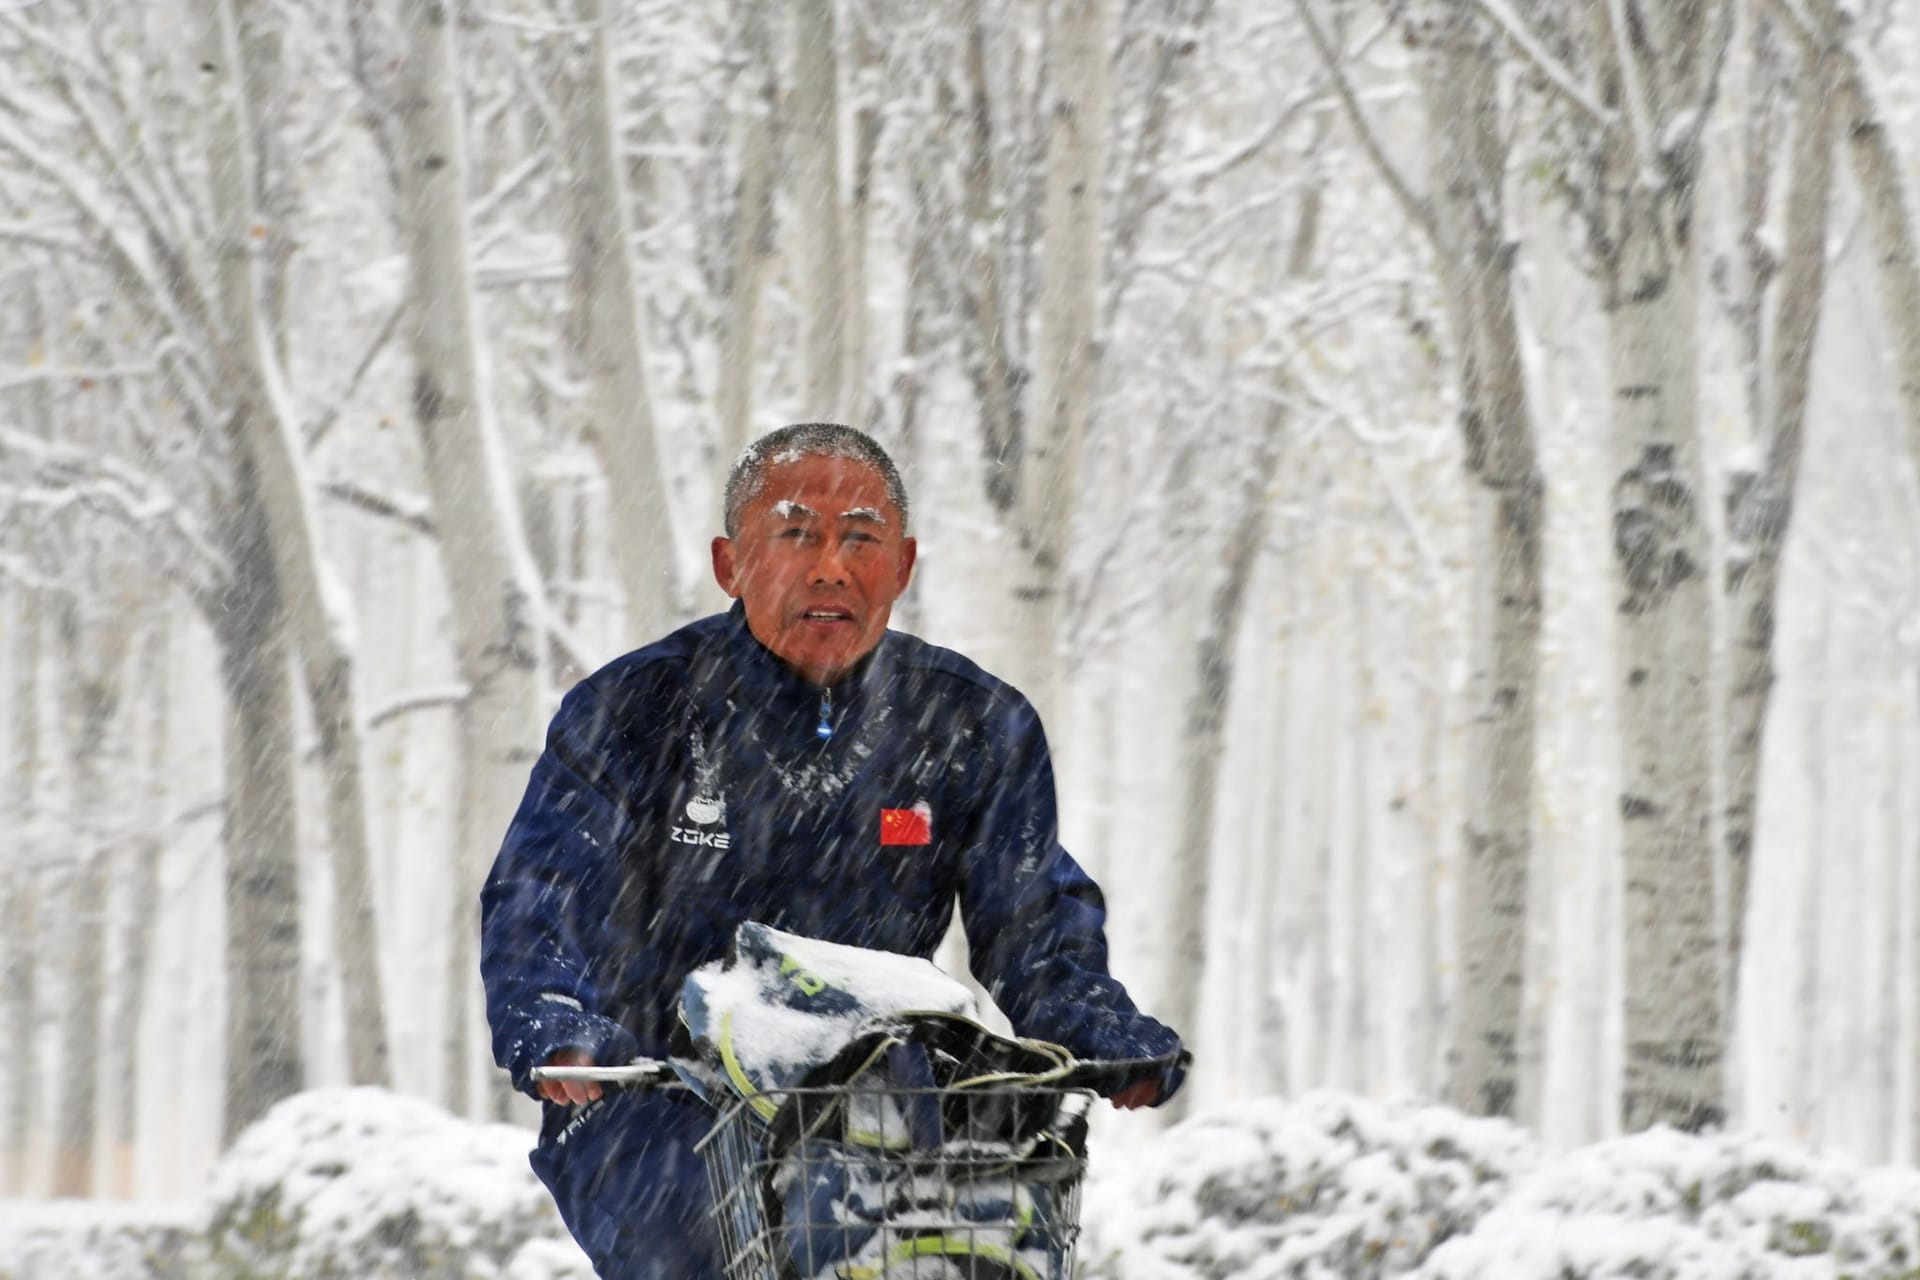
1035	921
544	907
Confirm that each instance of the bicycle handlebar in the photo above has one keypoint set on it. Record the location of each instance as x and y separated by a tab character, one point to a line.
646	1074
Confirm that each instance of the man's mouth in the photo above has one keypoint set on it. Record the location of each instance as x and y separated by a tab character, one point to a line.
827	615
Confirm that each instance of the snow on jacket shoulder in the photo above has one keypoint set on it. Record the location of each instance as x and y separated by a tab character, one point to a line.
687	787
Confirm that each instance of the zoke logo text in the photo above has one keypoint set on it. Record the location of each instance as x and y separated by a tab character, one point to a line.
705	839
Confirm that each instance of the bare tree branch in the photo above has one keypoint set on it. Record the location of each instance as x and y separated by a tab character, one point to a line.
317	430
415	514
1639	114
1417	209
452	695
1557	73
56	477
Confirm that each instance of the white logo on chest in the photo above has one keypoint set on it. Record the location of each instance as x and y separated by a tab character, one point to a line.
703	811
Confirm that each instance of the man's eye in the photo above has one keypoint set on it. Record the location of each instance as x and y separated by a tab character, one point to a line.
858	536
795	532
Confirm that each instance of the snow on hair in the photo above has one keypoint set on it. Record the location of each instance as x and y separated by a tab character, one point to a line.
748	475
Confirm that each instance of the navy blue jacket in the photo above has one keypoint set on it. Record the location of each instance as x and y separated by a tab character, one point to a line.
686	787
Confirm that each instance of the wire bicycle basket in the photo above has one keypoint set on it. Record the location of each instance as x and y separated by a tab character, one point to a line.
870	1181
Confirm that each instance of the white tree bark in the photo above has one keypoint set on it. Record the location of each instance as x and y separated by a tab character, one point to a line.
1810	1006
1907	857
819	221
1203	740
21	941
606	304
1650	269
137	877
264	1061
93	650
1760	507
498	611
83	929
1069	356
318	612
1505	493
753	238
1358	858
869	91
1879	175
1883	1031
991	361
1265	974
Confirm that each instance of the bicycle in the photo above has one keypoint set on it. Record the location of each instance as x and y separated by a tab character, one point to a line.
976	1180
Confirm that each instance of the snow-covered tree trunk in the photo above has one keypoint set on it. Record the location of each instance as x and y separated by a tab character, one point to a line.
1203	738
1430	1005
1880	177
869	93
1657	66
1069	356
1674	1039
1265	979
137	879
317	610
1907	856
1809	1003
1505	527
82	925
606	306
20	942
1760	506
752	235
1359	858
990	361
93	644
1882	1034
264	1059
498	612
819	221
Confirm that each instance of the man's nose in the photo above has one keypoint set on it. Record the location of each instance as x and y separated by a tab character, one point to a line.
829	566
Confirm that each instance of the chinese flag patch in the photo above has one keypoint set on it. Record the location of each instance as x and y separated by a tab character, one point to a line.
907	826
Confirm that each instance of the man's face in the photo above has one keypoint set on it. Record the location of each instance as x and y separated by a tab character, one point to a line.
819	560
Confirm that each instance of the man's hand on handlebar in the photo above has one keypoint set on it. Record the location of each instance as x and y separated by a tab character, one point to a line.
570	1092
1141	1093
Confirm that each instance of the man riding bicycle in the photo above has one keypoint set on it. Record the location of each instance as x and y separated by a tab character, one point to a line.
793	762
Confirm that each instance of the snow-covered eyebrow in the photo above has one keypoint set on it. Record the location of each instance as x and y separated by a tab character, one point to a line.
788	509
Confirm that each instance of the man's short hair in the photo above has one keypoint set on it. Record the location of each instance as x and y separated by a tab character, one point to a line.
807	440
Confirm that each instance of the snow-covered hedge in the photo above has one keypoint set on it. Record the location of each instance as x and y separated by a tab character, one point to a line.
331	1184
85	1240
1669	1206
1336	1186
362	1183
1331	1186
366	1184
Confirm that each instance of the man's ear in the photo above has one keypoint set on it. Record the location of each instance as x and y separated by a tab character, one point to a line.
909	552
726	570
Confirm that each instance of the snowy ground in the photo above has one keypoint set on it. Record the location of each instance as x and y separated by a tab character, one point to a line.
362	1183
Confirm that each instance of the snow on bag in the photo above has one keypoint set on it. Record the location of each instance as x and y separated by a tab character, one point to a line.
871	1179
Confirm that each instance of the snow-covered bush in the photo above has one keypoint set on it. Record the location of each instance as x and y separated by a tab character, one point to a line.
93	1240
366	1184
1668	1206
1329	1185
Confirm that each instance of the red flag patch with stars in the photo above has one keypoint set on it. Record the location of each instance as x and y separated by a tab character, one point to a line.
907	826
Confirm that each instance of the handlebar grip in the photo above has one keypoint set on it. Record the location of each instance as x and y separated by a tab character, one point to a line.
642	1074
1114	1072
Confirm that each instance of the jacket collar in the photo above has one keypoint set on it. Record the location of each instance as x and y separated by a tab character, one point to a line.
747	673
